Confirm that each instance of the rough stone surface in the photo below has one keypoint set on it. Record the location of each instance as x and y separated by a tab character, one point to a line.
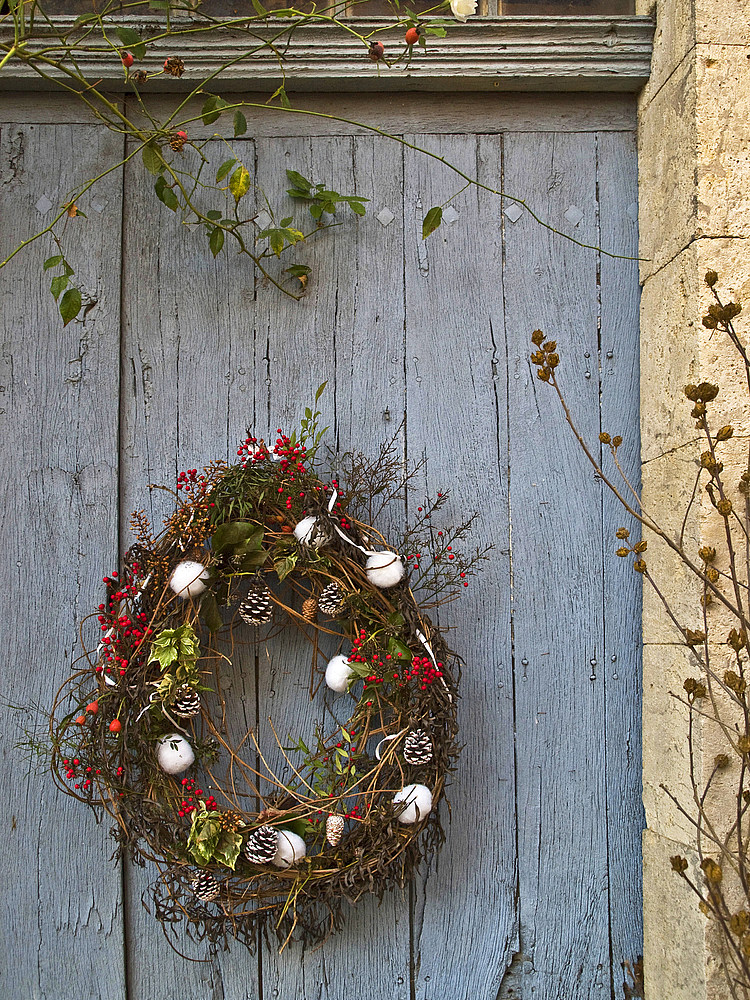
694	162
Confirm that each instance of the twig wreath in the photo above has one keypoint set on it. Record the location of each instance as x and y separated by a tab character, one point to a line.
140	731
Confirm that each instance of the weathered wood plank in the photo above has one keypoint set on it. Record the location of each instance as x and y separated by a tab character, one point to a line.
465	916
184	316
62	925
404	112
620	380
555	509
349	321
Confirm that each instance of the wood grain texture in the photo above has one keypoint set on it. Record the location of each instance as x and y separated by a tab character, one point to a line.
465	915
184	317
541	871
349	322
401	113
61	913
555	511
621	668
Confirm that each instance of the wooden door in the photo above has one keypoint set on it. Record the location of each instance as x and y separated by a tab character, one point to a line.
537	891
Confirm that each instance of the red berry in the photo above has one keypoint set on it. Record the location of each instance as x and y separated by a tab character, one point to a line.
115	726
93	707
127	61
81	719
376	51
182	135
412	36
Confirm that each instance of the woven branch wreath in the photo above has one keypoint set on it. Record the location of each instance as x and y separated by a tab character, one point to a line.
252	550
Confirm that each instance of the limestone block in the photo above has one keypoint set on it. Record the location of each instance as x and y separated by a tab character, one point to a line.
667	158
677	349
674	930
723	134
674	38
724	21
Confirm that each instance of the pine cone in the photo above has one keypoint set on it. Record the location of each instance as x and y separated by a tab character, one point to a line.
331	600
310	609
260	847
418	747
257	608
205	887
177	140
334	829
187	702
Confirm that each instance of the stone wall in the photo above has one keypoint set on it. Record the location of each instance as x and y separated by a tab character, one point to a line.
694	162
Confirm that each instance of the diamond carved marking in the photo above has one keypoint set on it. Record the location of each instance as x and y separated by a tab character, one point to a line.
385	217
574	215
513	212
450	215
43	205
263	220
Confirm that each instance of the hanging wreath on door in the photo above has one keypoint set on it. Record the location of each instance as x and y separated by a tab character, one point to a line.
246	837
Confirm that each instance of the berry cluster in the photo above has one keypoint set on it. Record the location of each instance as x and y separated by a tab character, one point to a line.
123	633
193	796
423	671
71	774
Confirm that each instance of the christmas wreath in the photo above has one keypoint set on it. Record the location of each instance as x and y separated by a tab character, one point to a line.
250	551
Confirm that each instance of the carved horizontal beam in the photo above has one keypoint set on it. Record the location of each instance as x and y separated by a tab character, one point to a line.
504	53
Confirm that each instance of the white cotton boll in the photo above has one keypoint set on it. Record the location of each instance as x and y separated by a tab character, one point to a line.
309	531
338	673
187	579
384	569
290	849
174	754
418	799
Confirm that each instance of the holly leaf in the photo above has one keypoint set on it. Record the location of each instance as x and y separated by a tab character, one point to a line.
70	305
253	560
239	183
431	221
131	41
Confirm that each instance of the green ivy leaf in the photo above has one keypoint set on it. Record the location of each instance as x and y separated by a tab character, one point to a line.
298	270
431	221
224	169
357	207
210	612
239	183
227	849
397	649
70	305
240	123
216	241
132	41
204	835
58	285
285	566
237	538
276	241
52	261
